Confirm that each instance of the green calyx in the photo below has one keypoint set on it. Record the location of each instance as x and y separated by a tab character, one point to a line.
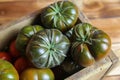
52	47
82	33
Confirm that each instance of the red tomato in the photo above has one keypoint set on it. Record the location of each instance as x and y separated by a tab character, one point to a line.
21	64
13	51
5	56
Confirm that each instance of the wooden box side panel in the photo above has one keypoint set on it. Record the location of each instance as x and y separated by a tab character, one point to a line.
16	0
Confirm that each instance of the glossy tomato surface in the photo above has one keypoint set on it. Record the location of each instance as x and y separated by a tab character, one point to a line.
61	15
7	71
37	74
48	48
89	44
25	35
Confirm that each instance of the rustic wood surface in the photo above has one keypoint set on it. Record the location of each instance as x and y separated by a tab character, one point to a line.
104	14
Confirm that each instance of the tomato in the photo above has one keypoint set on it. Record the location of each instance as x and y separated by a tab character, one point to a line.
5	56
89	44
25	35
61	15
21	64
47	48
7	71
37	74
13	51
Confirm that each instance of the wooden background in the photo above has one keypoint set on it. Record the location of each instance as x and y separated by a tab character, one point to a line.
104	14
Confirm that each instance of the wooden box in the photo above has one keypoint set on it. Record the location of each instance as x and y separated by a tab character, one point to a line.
94	72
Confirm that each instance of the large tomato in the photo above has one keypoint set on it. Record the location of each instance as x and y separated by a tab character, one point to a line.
61	15
7	71
47	48
25	35
37	74
89	44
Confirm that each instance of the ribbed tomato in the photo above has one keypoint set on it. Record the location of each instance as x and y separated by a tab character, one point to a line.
47	48
61	15
89	44
37	74
25	35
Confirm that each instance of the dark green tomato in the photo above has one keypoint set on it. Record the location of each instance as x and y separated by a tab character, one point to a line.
89	44
61	15
7	71
25	35
37	74
48	48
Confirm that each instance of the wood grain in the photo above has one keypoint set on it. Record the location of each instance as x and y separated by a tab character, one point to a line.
15	0
101	8
10	11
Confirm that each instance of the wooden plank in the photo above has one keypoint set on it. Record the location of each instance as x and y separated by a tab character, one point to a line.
15	0
101	8
10	13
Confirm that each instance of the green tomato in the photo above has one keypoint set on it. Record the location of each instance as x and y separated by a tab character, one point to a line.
25	35
61	15
48	48
89	44
7	71
37	74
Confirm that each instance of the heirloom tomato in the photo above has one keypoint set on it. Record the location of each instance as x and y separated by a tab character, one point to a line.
47	48
25	35
7	71
61	15
37	74
89	44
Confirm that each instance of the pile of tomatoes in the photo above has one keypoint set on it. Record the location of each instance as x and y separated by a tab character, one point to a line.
59	44
14	64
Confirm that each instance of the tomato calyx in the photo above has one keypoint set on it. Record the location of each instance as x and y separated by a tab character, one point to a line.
85	33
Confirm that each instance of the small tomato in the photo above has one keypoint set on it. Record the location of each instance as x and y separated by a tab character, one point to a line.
21	64
13	51
5	56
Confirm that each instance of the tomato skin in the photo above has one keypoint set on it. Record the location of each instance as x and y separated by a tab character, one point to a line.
13	51
37	74
5	56
21	64
61	15
89	44
25	35
47	48
8	71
